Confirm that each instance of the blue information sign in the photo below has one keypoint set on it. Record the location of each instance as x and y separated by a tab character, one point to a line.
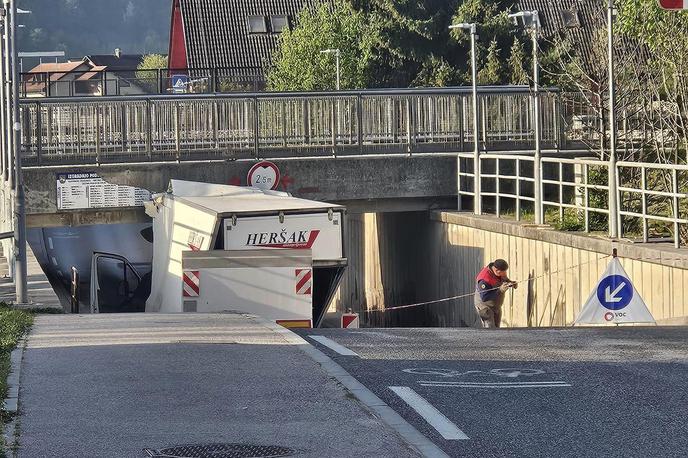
179	83
615	292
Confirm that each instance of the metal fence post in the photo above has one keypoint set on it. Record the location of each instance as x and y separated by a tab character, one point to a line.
39	134
177	128
216	118
359	121
677	235
333	129
256	129
518	189
149	130
98	134
409	125
124	128
643	186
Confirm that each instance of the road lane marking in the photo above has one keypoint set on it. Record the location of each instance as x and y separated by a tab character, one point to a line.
442	382
332	345
414	438
495	385
434	417
509	373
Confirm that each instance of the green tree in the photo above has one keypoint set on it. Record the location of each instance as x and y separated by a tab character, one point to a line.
299	65
412	45
436	72
496	33
491	71
517	64
147	71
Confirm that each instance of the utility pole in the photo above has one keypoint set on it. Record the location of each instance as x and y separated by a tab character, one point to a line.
613	194
20	211
477	200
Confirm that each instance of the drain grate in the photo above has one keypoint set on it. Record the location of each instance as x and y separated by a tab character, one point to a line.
221	451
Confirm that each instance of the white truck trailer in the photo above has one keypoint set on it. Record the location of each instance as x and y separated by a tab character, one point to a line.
228	248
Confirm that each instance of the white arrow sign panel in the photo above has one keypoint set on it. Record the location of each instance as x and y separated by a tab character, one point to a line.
614	300
612	297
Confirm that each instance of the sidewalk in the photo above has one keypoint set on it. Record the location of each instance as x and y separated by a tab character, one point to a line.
41	293
112	385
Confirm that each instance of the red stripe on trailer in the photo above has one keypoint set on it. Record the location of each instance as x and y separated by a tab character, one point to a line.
349	319
674	4
191	285
303	281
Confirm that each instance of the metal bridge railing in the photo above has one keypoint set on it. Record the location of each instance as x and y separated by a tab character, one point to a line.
575	194
262	125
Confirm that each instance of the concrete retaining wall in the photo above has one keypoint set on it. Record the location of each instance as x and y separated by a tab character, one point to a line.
560	269
405	258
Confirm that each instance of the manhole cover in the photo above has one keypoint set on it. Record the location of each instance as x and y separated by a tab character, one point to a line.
221	451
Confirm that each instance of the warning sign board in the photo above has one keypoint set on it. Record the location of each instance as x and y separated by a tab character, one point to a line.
82	190
614	300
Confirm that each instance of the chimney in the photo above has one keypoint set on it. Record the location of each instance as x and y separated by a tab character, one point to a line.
118	52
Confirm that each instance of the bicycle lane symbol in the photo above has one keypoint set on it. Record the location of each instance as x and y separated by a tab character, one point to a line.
499	372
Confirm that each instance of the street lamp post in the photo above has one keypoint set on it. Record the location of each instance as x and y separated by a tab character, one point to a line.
477	201
534	24
334	51
7	83
613	195
19	198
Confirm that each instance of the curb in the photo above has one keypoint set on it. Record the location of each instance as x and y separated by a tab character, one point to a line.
408	433
11	402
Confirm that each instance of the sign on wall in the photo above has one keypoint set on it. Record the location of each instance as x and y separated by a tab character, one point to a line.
84	190
264	175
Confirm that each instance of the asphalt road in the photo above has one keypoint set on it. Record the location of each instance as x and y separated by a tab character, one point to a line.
112	385
541	392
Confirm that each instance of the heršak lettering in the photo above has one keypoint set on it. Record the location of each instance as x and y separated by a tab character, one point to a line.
283	239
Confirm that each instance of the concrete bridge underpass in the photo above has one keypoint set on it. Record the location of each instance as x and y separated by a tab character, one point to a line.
374	150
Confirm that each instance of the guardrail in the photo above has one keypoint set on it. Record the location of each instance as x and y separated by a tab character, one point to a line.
259	125
575	193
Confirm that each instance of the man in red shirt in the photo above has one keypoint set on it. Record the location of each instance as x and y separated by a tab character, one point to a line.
491	285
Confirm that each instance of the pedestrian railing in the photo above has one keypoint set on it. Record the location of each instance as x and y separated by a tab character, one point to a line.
262	125
653	198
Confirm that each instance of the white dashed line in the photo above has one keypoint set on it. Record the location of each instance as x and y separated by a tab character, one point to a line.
494	385
331	344
434	417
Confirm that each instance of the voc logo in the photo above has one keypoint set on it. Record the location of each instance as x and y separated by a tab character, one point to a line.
609	316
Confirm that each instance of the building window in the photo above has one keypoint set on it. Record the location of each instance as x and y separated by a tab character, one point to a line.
570	18
279	23
257	24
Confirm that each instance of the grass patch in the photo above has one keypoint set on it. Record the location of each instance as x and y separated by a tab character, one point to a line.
13	325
